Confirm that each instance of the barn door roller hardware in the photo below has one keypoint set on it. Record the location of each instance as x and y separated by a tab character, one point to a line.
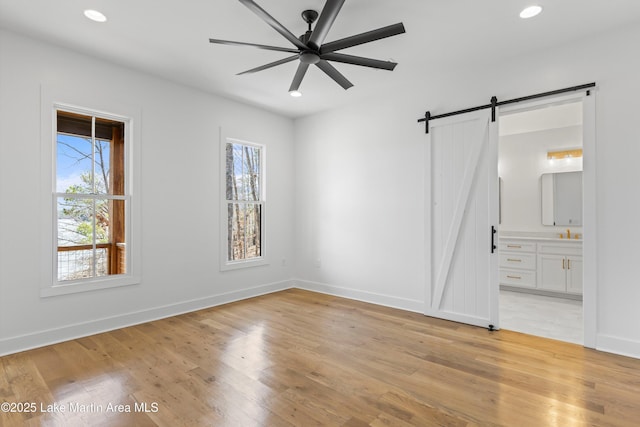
494	103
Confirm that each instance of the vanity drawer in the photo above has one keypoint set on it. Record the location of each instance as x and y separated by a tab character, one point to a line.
516	246
526	279
518	260
561	249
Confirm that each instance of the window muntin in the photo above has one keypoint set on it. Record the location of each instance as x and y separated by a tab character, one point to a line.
244	163
91	204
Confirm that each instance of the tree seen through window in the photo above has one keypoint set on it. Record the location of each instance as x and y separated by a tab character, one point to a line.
244	196
90	197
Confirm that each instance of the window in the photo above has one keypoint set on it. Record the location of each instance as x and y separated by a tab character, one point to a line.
91	200
244	203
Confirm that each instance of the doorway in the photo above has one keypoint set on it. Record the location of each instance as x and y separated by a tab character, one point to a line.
461	190
540	165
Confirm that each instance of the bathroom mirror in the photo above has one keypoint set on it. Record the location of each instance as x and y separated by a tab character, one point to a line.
500	190
562	198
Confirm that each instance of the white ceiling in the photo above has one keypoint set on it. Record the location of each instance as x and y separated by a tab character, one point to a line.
170	39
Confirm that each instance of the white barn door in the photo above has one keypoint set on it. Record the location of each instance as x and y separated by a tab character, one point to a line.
461	209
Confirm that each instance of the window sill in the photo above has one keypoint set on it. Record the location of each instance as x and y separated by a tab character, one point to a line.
88	286
237	265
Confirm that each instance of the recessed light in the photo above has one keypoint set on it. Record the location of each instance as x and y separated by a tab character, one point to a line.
295	93
94	15
530	12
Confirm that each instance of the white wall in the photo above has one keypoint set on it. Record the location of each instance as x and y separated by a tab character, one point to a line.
180	178
522	159
359	189
359	205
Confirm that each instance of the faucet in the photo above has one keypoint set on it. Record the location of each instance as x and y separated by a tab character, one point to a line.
568	233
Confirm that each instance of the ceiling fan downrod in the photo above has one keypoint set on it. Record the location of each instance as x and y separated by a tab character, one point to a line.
309	17
310	56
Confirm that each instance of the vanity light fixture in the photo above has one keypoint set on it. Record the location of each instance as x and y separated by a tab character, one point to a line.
530	12
94	15
566	154
295	93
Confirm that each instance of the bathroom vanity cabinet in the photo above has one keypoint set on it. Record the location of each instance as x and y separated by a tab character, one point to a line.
542	265
518	263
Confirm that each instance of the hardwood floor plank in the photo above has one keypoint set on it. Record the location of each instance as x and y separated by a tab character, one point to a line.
418	413
298	358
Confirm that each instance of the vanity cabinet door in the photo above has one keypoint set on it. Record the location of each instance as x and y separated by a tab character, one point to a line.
553	272
574	275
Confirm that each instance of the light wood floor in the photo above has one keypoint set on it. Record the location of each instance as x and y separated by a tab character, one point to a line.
304	359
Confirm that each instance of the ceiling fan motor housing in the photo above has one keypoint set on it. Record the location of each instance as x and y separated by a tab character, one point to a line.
309	57
305	37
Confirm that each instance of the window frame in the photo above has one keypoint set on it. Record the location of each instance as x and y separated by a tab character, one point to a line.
51	286
226	264
94	196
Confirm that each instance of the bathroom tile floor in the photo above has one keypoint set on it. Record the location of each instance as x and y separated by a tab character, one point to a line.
549	317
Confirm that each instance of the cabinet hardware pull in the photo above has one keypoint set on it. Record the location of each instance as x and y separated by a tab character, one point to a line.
568	264
514	260
514	277
563	264
514	246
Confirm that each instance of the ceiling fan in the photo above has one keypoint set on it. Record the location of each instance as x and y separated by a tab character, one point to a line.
310	48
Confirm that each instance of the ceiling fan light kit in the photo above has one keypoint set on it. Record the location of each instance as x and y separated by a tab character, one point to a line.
310	48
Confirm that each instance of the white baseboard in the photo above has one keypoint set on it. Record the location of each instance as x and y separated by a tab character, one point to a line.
617	345
606	343
355	294
52	336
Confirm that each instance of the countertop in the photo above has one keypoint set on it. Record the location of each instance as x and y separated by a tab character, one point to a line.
547	237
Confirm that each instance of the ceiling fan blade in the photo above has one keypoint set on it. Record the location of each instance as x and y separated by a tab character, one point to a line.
334	74
259	46
358	60
269	65
271	21
297	79
369	36
327	16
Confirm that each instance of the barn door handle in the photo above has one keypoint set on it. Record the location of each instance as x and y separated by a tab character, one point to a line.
493	239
